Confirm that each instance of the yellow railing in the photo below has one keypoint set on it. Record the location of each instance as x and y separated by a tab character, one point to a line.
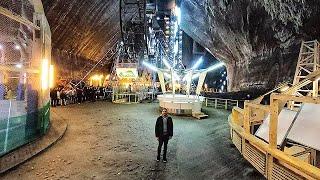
266	157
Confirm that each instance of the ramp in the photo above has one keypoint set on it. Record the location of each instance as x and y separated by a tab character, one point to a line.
285	120
302	127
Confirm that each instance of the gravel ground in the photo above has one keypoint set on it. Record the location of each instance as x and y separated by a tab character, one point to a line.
111	141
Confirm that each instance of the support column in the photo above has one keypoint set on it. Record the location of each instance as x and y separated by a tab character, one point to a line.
273	130
315	68
21	88
2	75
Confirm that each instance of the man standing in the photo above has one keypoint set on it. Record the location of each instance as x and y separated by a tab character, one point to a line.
164	132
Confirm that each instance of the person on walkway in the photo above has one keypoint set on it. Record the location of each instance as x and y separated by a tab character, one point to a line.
53	96
79	95
164	132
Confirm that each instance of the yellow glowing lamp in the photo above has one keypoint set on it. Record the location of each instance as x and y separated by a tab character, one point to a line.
97	79
51	76
45	74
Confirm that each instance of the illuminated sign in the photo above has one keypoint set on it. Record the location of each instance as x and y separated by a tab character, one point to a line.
130	73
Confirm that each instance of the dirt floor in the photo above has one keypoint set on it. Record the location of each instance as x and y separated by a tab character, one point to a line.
110	141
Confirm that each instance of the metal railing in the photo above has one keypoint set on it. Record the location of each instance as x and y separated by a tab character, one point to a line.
220	103
128	98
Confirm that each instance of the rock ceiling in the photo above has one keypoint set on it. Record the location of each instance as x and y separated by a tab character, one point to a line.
258	39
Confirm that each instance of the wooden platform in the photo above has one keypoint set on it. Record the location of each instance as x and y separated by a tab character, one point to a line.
199	115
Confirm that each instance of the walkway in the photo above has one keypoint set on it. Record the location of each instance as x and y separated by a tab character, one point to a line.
112	141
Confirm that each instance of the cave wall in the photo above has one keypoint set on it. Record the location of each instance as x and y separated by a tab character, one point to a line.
82	31
259	40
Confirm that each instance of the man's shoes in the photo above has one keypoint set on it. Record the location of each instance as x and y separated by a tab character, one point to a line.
158	159
164	160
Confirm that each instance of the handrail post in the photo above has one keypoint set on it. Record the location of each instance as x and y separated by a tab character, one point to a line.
215	103
246	118
237	103
226	104
206	102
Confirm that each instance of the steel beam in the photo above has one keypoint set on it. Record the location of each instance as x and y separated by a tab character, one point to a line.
18	18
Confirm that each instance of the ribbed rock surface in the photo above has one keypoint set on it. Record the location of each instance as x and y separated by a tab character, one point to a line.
259	40
81	30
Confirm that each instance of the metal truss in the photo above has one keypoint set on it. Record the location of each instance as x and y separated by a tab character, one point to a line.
133	26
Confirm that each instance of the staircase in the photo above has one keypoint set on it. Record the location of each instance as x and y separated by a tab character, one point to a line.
308	62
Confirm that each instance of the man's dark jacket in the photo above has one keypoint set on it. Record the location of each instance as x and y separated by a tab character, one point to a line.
159	126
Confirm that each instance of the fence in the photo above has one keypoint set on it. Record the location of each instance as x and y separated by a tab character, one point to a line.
132	97
18	127
219	103
25	53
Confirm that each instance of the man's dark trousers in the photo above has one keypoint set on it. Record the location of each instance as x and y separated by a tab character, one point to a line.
163	140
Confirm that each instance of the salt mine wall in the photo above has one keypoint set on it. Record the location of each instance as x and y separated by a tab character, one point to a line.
82	31
259	40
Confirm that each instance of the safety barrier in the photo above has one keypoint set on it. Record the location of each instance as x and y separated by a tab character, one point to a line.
25	54
129	98
270	161
220	103
18	128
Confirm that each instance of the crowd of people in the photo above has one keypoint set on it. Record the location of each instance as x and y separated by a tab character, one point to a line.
62	96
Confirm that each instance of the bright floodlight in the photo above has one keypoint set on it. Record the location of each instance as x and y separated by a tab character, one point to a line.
176	47
17	47
214	67
45	74
178	14
153	68
211	68
197	64
19	66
